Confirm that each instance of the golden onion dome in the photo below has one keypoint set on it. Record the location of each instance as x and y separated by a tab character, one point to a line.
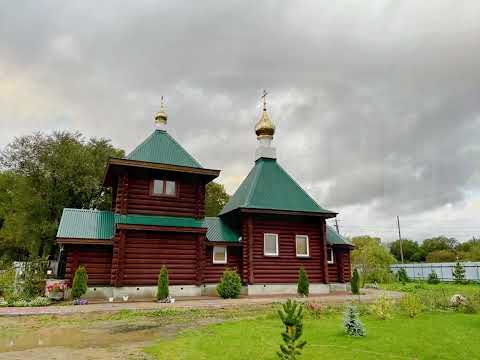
161	116
264	127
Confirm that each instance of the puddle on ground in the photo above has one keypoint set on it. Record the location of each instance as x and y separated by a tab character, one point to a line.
80	338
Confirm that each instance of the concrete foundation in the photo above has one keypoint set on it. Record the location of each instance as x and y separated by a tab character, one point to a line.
285	289
149	292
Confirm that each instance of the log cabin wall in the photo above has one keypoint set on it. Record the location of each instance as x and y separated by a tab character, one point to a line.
284	267
146	251
134	194
339	271
213	272
97	260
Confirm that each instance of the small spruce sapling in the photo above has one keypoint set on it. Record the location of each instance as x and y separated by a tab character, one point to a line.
162	285
458	273
433	278
351	322
80	281
230	285
291	315
303	283
355	283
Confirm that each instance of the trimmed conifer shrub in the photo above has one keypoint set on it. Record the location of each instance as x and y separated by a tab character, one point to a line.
458	273
351	322
433	278
355	283
303	283
230	285
402	276
162	284
80	281
291	315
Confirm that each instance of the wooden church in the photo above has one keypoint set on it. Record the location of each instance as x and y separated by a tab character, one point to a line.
268	229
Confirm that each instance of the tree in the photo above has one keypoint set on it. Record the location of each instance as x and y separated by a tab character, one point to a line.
215	198
291	315
458	273
371	259
355	283
438	243
162	284
80	281
351	322
402	276
441	256
43	174
303	284
230	285
410	248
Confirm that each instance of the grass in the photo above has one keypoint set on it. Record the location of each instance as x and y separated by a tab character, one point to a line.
442	289
430	336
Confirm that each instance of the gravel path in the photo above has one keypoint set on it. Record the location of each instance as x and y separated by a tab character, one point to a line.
202	302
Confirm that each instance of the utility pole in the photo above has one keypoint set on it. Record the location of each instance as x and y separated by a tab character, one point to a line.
400	238
336	225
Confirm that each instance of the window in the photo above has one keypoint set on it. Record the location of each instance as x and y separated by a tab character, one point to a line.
301	244
330	258
270	244
164	187
219	254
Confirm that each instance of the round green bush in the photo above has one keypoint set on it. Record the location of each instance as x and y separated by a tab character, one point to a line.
433	278
80	281
230	285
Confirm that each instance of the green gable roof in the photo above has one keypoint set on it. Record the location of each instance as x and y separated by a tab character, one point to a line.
161	148
268	186
219	231
334	238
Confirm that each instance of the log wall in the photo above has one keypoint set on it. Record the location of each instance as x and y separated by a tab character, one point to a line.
133	195
213	272
146	252
97	260
284	267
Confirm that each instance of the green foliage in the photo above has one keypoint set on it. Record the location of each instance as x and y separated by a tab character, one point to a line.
383	307
40	301
162	285
31	282
411	250
291	316
458	273
7	284
412	304
303	283
438	243
441	256
230	285
355	283
402	276
215	198
371	259
41	174
433	278
352	324
80	281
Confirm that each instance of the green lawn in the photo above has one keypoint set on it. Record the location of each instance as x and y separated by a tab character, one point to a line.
440	335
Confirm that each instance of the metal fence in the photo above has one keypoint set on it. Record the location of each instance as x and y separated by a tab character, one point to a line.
420	271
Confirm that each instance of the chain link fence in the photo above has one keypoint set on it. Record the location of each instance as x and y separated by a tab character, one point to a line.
420	271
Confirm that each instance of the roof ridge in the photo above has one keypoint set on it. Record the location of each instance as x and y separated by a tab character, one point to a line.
179	145
253	183
298	185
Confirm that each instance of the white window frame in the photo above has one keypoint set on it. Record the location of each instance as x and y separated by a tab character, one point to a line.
330	255
276	244
219	261
308	246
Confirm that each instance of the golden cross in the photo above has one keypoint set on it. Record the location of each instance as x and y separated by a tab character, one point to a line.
264	99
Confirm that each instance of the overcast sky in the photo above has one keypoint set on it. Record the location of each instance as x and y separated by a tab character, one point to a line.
376	103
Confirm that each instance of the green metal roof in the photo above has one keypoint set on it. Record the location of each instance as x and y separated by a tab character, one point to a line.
219	231
334	238
268	186
161	148
153	220
86	224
